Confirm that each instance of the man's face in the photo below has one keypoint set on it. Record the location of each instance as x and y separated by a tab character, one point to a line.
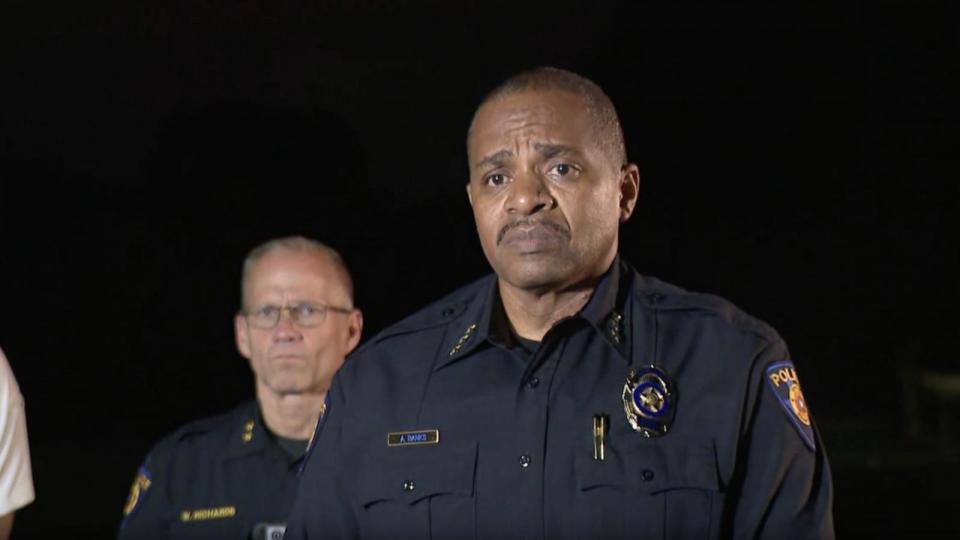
288	358
546	197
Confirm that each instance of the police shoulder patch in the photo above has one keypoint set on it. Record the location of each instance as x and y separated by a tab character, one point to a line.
141	483
782	377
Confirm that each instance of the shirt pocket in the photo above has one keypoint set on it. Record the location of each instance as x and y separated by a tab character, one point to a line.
668	489
419	492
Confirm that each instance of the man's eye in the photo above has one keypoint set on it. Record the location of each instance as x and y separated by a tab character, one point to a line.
306	310
496	179
562	169
266	311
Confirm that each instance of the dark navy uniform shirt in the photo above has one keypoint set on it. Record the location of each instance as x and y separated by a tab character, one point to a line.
514	449
214	478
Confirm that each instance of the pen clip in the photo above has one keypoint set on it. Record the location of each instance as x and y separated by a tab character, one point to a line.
599	437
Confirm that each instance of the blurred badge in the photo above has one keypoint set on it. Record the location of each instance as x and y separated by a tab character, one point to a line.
141	483
786	386
649	400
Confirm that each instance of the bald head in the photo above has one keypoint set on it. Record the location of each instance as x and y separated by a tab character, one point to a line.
606	124
299	244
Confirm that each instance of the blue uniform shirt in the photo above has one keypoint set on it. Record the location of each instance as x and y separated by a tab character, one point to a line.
441	427
213	478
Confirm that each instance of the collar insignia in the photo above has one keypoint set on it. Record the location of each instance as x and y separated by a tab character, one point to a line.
463	339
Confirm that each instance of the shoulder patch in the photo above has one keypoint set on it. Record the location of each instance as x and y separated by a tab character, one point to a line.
782	377
141	483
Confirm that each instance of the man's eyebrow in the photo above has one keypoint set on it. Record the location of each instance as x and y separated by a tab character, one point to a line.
551	150
496	158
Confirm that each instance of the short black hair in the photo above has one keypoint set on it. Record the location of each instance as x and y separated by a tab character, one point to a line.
605	118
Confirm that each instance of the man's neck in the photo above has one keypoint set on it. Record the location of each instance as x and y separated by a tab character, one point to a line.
533	313
293	416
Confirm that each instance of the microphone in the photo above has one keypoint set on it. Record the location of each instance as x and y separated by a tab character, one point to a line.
268	531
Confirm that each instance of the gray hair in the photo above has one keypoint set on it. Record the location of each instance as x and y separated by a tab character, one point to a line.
297	244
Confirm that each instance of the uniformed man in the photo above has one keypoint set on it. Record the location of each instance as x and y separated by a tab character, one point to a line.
235	476
566	396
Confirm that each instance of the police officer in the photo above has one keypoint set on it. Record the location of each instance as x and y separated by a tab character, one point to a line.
235	475
566	396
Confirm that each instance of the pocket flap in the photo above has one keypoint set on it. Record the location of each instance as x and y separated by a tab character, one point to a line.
652	467
410	474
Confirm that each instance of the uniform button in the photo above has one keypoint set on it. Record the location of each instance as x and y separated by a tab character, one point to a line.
408	486
447	312
534	382
654	298
525	461
647	475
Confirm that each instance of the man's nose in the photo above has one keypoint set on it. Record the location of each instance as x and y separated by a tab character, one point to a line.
286	328
528	194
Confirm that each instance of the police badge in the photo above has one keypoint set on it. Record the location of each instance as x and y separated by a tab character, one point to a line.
649	399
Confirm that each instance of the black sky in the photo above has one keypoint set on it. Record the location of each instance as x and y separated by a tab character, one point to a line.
796	160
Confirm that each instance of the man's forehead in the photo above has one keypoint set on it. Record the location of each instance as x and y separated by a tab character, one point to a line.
543	105
284	268
289	259
543	114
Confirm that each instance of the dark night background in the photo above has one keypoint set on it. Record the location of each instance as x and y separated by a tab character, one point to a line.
793	159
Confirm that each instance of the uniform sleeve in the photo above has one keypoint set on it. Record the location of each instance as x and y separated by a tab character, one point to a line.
322	508
16	477
782	487
148	511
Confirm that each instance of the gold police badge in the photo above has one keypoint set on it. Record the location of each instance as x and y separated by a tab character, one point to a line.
649	401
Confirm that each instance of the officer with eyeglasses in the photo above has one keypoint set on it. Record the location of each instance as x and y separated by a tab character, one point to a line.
236	475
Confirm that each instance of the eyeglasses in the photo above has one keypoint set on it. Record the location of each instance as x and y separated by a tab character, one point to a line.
305	315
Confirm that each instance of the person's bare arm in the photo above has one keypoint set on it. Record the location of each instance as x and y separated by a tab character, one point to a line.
6	523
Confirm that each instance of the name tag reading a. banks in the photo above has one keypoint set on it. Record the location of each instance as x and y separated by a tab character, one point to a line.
406	438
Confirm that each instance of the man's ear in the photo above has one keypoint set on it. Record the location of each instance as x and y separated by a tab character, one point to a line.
354	329
241	332
469	193
629	190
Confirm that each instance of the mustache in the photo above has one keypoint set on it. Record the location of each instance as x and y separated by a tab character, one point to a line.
554	226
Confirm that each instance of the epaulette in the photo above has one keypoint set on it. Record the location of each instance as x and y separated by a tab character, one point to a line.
658	295
221	423
436	314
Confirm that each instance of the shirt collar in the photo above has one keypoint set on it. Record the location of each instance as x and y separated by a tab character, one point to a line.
486	322
606	309
472	327
250	436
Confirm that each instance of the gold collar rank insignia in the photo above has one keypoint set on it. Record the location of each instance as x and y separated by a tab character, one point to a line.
463	339
615	327
248	431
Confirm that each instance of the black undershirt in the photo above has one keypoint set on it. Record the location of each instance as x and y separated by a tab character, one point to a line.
528	346
295	448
